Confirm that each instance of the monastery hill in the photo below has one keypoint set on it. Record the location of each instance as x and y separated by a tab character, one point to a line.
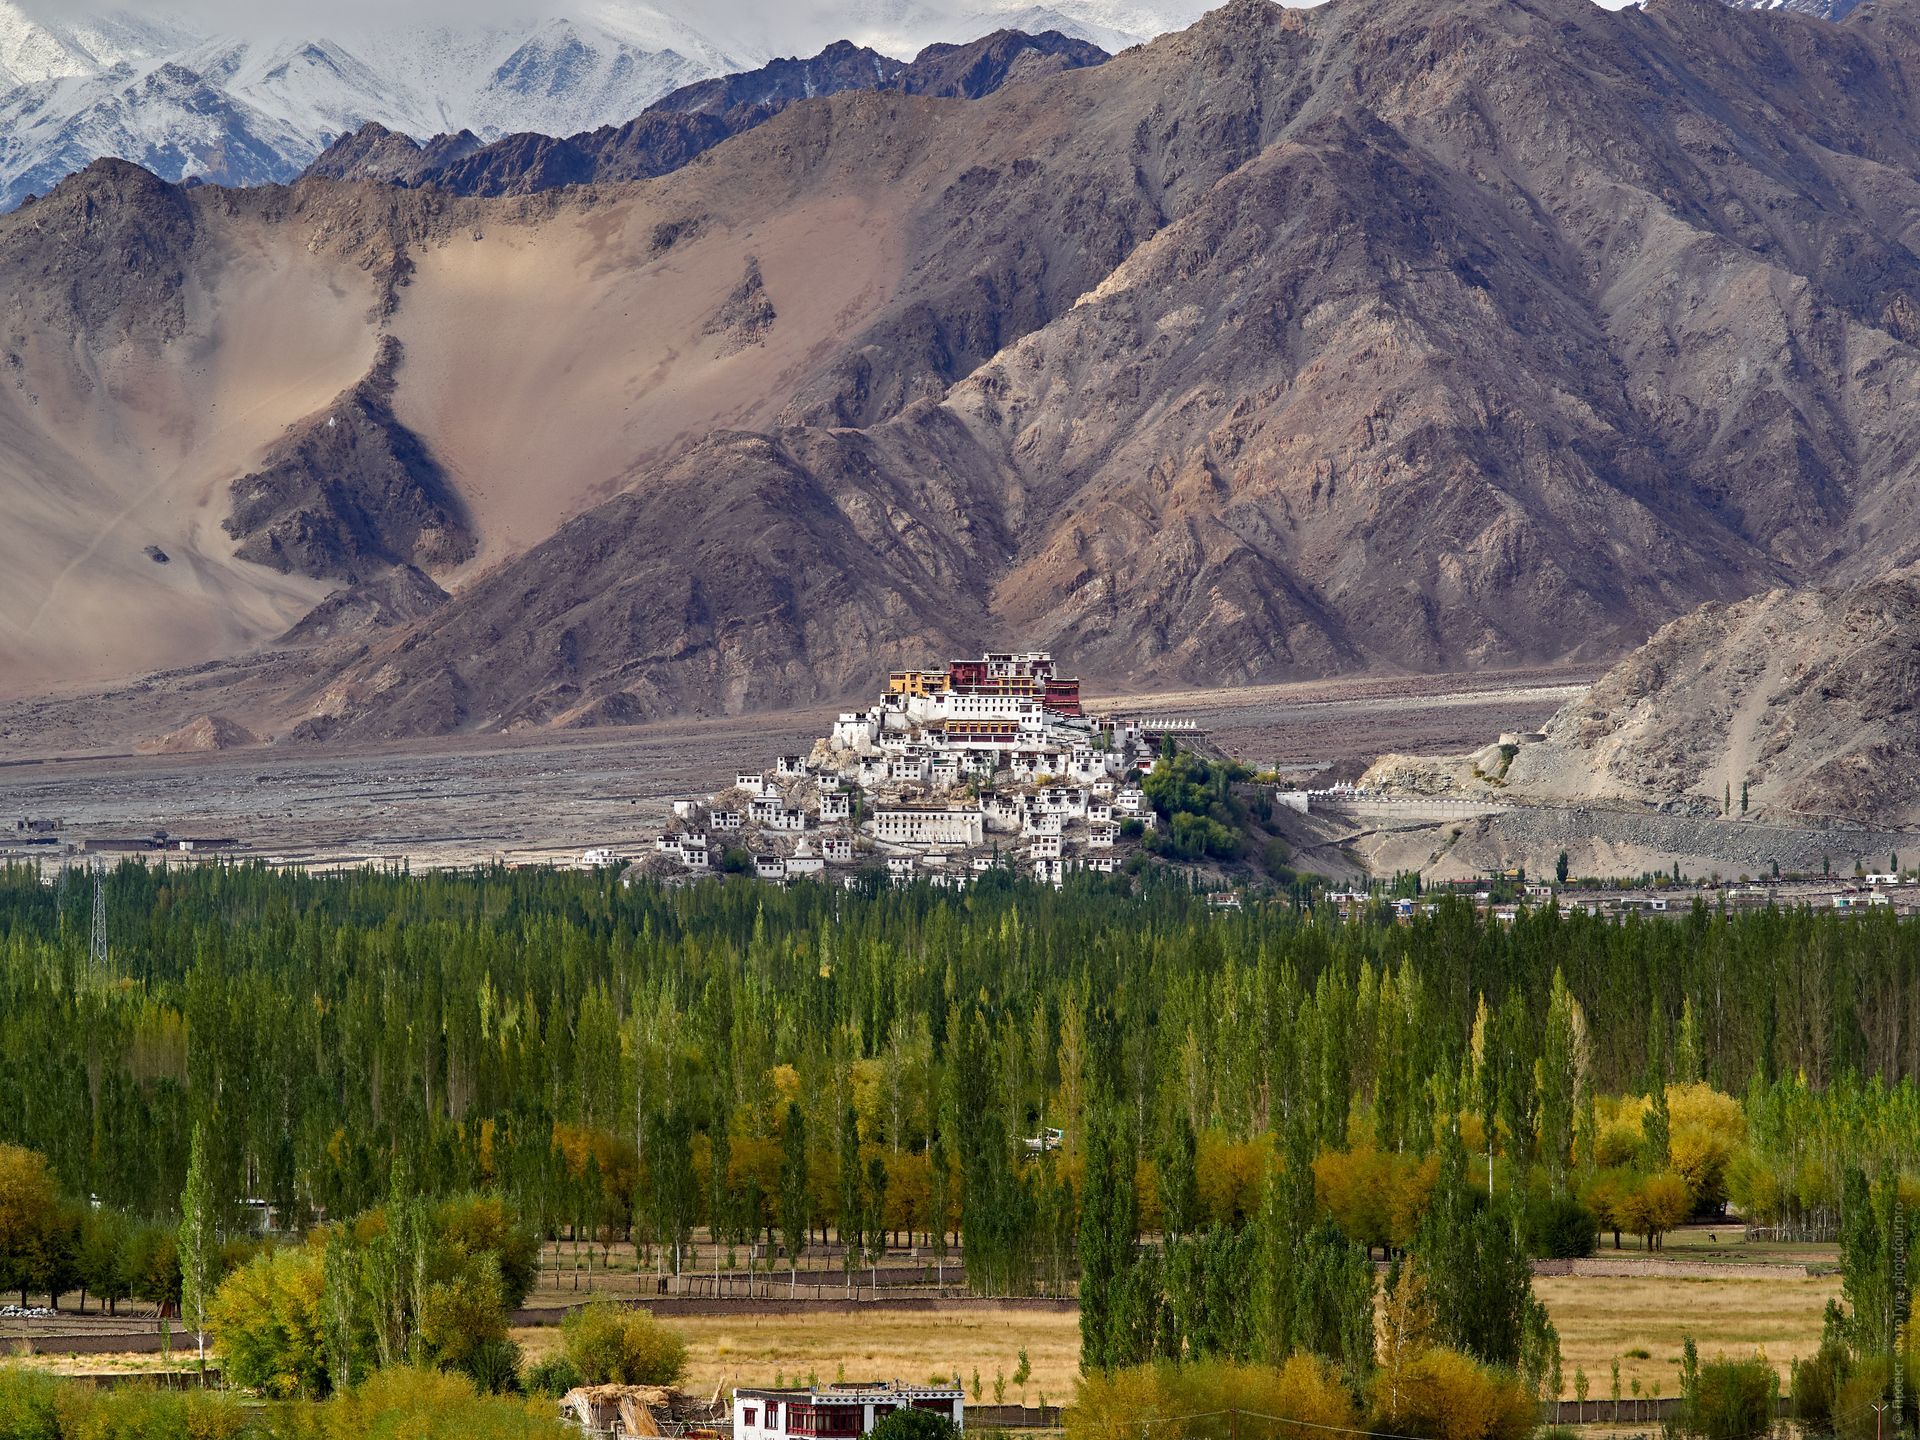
954	770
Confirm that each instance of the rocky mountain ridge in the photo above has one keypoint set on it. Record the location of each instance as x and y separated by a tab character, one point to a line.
1385	335
679	127
236	99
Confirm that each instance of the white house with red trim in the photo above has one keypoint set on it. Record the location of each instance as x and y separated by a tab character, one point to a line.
837	1412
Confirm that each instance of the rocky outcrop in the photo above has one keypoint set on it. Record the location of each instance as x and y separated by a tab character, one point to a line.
746	315
206	735
105	254
373	152
735	580
399	597
1791	706
350	492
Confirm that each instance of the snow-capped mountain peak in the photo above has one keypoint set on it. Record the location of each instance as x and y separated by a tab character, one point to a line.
245	104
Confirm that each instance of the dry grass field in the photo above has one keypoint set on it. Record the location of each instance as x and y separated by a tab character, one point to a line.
889	1345
1599	1319
1642	1322
1639	1321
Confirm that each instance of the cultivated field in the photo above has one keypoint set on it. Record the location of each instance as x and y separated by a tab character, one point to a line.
1641	1322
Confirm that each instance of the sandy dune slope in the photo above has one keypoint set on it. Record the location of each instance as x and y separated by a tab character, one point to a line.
115	454
550	362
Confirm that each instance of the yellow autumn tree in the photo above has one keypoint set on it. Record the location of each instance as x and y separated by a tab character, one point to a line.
1442	1394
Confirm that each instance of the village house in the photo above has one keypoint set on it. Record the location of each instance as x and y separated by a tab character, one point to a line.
804	862
769	867
1002	812
749	780
836	849
835	805
791	765
726	819
853	731
837	1412
1045	823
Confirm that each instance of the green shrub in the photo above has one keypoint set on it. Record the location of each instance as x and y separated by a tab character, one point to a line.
143	1412
27	1405
913	1424
612	1345
1853	1401
1561	1229
494	1367
405	1404
552	1377
1814	1383
1730	1400
1278	860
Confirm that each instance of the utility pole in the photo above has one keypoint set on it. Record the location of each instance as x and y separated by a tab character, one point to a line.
1879	1410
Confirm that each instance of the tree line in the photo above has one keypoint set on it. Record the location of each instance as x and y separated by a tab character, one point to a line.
631	1063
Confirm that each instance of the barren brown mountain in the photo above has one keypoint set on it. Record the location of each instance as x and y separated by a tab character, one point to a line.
1404	334
1791	705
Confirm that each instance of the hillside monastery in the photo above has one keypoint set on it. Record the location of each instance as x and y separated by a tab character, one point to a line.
954	770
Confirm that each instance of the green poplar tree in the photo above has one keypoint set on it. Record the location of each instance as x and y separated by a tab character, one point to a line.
796	1216
1177	1166
851	1220
1109	1231
199	1243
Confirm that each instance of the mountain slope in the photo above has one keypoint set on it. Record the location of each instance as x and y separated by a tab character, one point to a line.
1802	701
1397	367
1389	334
247	105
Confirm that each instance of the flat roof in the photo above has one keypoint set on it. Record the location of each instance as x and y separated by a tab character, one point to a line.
852	1392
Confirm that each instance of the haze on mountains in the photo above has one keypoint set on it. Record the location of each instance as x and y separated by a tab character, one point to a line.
1394	334
245	92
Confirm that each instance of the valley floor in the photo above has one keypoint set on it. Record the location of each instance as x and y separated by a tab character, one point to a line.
1765	1300
546	797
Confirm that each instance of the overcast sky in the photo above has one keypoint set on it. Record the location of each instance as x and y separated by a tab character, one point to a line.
772	20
